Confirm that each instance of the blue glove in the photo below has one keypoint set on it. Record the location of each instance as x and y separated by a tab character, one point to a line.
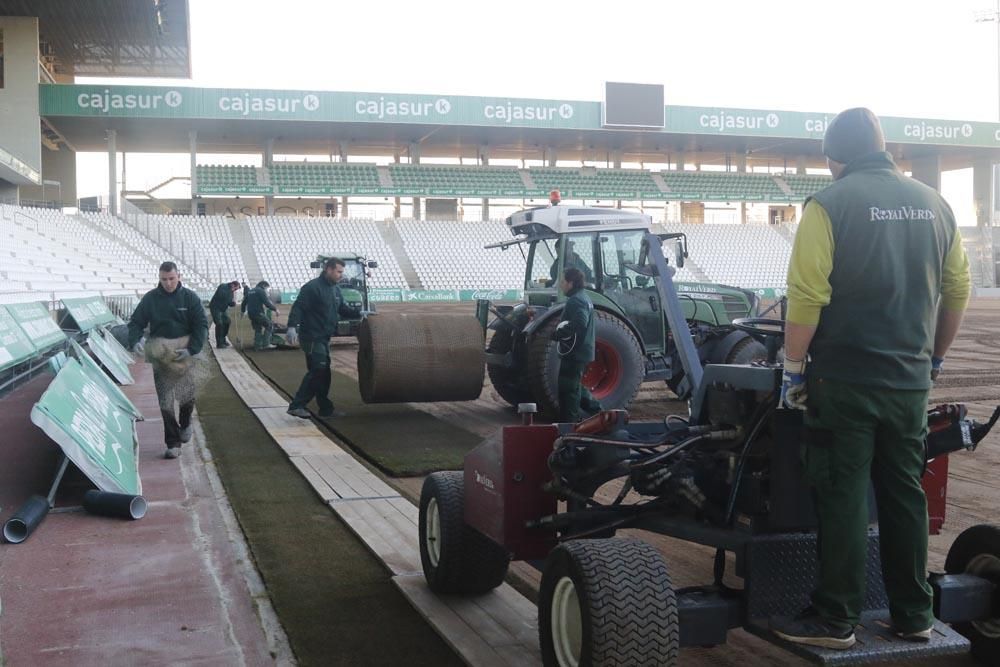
936	364
793	385
181	354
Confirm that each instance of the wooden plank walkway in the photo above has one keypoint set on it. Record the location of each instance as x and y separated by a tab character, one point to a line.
499	628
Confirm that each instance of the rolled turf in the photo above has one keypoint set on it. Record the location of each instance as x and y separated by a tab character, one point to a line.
334	599
401	440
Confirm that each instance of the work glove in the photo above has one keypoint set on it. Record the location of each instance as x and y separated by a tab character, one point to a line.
562	331
793	385
182	354
140	346
292	336
936	364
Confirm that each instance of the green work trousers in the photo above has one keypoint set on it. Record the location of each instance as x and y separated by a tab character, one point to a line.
263	330
856	435
572	394
221	320
316	383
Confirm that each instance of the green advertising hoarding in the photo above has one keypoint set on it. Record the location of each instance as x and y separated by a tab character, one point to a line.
94	432
37	324
15	346
107	356
88	312
123	355
96	373
458	110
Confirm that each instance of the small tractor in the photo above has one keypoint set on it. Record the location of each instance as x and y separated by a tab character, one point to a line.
634	343
727	476
353	286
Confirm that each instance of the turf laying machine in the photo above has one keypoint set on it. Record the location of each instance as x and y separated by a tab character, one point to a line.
727	476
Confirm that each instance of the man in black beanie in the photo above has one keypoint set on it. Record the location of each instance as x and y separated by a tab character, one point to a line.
877	286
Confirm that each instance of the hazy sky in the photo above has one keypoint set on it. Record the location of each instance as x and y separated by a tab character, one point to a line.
923	58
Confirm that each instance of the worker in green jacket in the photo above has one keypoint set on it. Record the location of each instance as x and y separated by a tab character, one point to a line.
313	320
219	306
254	304
177	325
575	336
877	285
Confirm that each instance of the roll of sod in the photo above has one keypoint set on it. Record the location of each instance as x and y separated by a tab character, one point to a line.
414	358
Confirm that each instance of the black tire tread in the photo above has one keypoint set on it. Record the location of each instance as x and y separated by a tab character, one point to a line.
504	380
981	539
470	563
627	594
543	366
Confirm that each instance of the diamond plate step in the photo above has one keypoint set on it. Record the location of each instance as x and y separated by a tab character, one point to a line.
875	643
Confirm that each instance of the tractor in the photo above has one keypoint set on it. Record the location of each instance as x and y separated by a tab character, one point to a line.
634	343
728	476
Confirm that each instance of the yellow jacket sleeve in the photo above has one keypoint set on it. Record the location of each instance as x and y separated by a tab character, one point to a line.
956	284
810	266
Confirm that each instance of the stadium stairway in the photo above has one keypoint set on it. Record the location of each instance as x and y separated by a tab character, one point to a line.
390	234
529	182
660	183
783	184
384	177
244	242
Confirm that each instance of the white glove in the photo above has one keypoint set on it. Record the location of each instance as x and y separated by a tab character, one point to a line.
292	336
140	346
182	354
793	385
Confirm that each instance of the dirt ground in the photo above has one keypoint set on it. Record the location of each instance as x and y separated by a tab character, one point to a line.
971	375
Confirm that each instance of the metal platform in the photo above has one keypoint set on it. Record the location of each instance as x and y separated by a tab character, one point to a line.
875	643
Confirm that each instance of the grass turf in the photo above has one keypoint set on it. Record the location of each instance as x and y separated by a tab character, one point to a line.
334	599
399	439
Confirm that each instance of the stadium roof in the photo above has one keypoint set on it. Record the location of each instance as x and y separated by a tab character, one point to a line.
147	38
158	119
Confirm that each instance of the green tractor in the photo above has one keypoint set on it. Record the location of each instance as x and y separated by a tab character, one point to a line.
634	342
353	286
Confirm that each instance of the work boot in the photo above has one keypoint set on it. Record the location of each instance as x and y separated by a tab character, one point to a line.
301	413
172	452
186	433
917	636
813	630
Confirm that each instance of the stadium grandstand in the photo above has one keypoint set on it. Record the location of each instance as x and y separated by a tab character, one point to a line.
418	183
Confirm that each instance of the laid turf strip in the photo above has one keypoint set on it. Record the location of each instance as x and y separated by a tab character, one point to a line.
334	599
399	439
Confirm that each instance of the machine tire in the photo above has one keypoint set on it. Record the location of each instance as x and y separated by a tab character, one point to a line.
977	551
465	562
611	333
506	381
745	351
607	602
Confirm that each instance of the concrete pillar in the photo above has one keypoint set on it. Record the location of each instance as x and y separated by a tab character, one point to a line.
927	170
268	160
550	157
193	148
484	160
112	172
345	148
985	206
800	165
741	166
415	159
397	202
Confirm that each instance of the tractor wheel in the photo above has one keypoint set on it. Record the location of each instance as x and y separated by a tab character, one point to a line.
607	602
506	381
613	377
455	557
745	351
977	551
